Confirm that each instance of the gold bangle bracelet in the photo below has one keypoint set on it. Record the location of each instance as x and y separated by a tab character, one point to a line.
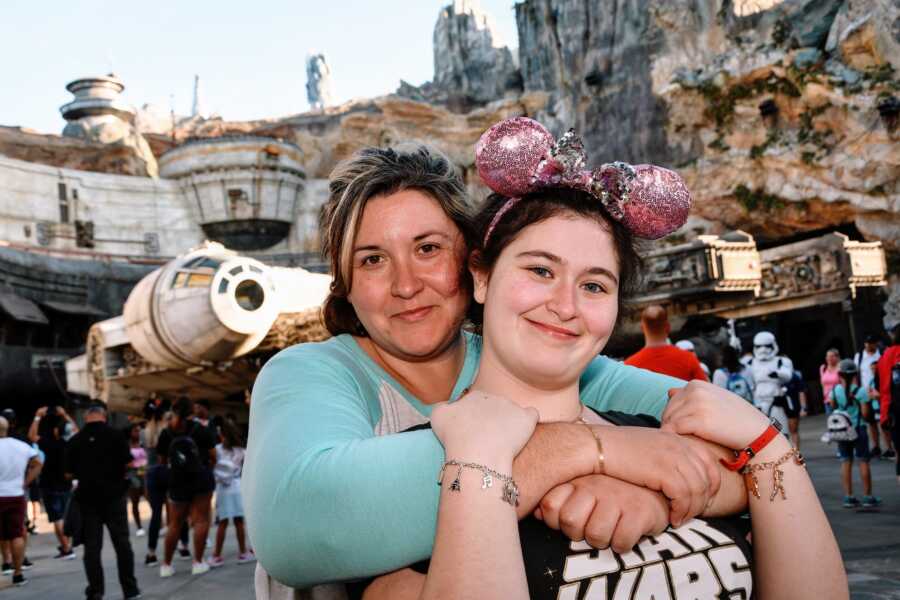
600	469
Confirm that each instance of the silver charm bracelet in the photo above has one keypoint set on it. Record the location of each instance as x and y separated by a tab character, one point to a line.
510	489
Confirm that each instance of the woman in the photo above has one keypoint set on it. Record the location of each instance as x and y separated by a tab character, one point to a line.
325	498
136	472
229	505
551	274
829	376
189	451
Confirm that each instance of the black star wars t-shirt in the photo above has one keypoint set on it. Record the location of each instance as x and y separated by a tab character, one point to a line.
704	559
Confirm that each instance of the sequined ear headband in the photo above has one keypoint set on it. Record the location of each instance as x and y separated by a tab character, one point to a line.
519	156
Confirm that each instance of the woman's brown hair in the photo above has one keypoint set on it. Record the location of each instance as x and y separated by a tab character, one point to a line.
376	172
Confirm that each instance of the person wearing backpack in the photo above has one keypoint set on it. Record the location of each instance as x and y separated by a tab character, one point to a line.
850	401
889	391
229	503
731	375
189	449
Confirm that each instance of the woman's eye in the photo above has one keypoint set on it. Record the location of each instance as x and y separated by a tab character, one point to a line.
373	259
593	288
541	272
428	248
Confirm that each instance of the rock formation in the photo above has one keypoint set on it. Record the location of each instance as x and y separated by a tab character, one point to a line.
471	67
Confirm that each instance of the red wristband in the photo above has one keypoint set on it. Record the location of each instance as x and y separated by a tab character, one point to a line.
742	456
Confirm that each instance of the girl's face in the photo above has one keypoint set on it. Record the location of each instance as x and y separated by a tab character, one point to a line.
135	434
406	288
551	301
832	359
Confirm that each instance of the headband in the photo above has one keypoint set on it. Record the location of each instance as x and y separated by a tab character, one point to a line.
519	156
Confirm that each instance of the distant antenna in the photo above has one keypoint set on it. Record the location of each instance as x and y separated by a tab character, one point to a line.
110	63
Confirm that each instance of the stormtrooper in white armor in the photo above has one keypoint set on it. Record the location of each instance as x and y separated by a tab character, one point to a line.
770	374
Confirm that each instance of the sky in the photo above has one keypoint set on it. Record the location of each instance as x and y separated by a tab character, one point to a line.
250	55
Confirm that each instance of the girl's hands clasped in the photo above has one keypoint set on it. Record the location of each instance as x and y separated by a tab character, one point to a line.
483	427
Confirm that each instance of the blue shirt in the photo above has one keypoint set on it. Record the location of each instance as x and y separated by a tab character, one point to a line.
332	492
843	403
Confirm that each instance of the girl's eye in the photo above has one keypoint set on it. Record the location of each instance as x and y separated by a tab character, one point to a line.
593	288
370	260
541	272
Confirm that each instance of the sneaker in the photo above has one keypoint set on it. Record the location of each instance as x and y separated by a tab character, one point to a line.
246	557
166	570
19	580
26	564
889	454
184	554
70	555
850	502
199	568
215	562
7	569
134	596
150	560
871	501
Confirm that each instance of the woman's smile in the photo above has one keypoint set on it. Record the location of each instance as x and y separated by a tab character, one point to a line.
558	333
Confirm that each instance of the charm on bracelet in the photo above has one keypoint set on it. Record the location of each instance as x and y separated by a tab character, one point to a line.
510	489
749	472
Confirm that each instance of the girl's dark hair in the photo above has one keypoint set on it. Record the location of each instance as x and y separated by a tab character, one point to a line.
376	172
231	436
540	206
731	360
183	408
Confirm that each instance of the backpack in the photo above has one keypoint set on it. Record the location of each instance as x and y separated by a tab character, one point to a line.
184	454
738	384
840	426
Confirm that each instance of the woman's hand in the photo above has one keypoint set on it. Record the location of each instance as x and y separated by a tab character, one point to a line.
480	426
713	414
604	511
686	473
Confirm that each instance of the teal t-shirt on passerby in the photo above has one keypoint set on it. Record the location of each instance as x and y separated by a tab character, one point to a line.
332	491
842	402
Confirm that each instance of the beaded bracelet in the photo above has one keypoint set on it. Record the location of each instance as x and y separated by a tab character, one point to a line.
510	489
749	473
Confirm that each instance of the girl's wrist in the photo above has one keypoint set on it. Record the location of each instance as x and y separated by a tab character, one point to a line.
497	459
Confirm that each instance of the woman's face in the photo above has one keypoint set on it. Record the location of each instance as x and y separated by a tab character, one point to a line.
832	359
551	302
135	434
406	288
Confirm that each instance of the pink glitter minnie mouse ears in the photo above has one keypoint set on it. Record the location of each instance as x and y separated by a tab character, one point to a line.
518	156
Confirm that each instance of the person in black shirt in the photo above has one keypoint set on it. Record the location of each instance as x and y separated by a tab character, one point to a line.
47	430
189	449
98	457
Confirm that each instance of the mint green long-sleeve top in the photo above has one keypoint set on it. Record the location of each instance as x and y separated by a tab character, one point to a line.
334	489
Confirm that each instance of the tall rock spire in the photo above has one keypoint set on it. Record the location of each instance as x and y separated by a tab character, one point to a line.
197	109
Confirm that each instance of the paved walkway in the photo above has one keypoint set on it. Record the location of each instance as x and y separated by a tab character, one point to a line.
869	540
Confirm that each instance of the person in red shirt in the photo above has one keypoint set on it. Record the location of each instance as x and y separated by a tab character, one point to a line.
889	358
658	354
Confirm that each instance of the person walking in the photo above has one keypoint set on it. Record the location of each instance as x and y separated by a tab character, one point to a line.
19	466
136	473
47	430
189	449
851	398
797	405
828	376
889	391
98	457
658	355
229	504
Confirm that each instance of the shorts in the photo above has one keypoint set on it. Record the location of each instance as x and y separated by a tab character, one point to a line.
55	504
858	447
34	492
12	517
182	491
792	407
